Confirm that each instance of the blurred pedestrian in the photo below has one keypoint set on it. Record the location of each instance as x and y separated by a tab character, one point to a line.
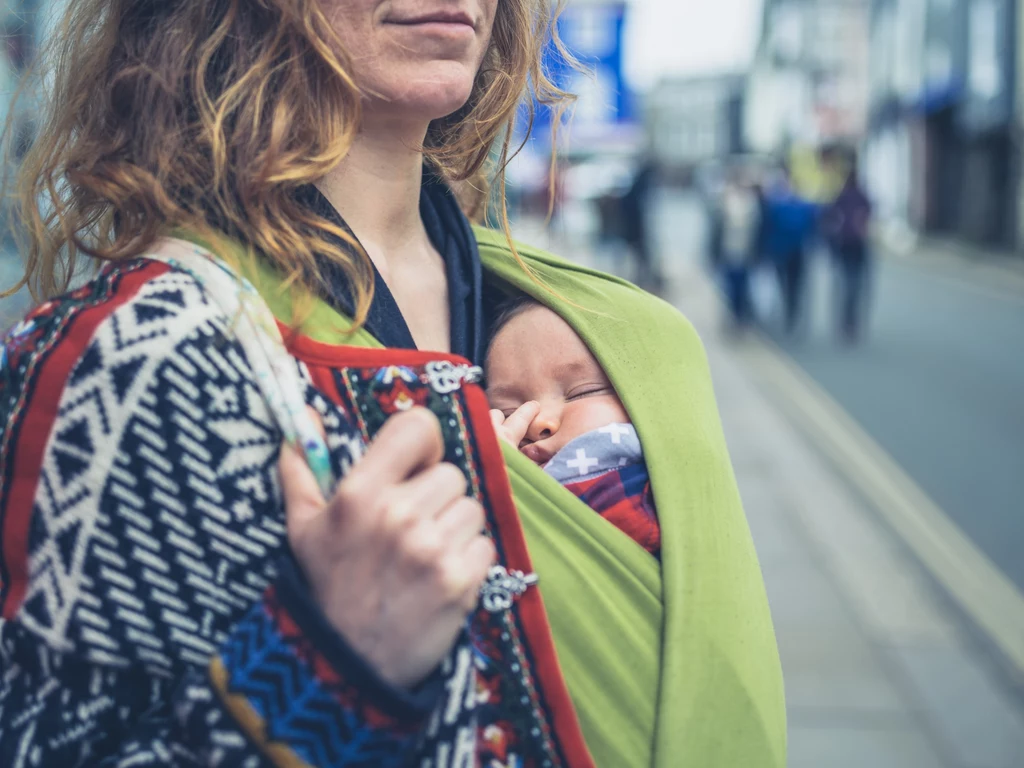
791	222
740	218
608	241
635	229
846	224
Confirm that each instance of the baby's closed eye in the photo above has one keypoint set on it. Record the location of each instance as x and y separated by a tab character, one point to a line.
588	391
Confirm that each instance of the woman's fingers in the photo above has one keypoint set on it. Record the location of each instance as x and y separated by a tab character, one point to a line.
430	493
459	523
398	530
477	559
317	421
407	444
516	425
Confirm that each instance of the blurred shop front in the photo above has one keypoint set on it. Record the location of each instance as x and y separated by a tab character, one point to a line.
601	141
939	153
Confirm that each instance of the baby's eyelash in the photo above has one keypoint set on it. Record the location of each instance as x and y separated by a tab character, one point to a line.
587	393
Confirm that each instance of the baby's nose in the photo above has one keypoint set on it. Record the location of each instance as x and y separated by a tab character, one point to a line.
545	425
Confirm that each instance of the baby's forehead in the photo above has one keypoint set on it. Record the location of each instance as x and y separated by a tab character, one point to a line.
542	346
528	312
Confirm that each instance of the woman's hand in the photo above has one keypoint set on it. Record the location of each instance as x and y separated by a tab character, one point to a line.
397	556
513	429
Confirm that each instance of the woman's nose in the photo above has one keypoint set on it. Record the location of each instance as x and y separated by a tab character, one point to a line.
545	425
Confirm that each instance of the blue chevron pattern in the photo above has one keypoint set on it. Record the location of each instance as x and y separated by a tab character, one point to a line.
299	709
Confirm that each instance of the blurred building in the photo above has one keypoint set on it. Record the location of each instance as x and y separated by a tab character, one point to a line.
940	151
692	120
931	91
809	81
18	33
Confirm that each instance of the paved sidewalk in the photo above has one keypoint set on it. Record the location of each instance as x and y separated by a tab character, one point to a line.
879	673
993	266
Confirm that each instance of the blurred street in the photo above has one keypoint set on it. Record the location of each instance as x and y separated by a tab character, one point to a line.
937	384
939	387
881	668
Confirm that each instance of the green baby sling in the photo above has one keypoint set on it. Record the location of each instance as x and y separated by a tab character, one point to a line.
672	664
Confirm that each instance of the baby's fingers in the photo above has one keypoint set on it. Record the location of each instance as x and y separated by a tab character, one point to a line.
497	419
518	423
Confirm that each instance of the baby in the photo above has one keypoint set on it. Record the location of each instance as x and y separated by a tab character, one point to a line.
551	398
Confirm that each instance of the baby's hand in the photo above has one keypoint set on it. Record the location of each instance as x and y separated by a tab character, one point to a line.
513	429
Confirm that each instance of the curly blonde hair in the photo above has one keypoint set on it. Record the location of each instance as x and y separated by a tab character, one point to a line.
150	126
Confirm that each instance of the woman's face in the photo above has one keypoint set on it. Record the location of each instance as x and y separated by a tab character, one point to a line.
414	59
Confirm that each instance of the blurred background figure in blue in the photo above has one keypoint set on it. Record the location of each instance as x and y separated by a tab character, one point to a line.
790	225
635	207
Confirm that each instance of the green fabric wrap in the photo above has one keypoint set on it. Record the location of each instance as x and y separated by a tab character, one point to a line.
602	593
667	666
720	700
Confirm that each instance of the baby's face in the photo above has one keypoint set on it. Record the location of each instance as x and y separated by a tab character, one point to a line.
538	357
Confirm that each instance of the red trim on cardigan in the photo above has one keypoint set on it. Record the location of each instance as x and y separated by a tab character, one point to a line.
38	422
547	670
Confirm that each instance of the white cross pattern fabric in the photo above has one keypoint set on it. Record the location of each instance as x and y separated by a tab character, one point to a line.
594	453
582	463
617	431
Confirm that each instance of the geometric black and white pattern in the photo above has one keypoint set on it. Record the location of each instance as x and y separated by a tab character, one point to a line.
155	552
156	526
189	512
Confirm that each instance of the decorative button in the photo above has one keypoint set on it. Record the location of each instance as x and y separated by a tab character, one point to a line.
503	586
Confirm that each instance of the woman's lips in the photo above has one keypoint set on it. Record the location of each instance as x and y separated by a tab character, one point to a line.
437	22
437	17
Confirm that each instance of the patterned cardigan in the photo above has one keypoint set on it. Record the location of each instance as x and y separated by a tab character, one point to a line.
150	613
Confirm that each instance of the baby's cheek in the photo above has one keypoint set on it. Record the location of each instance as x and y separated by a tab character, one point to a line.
594	412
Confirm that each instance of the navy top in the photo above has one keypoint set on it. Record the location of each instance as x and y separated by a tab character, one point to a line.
451	234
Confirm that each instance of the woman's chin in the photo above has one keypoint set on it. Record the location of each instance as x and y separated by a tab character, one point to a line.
436	92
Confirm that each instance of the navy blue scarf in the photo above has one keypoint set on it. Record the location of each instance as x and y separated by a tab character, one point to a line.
451	234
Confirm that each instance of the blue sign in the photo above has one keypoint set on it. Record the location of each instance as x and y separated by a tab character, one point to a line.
592	33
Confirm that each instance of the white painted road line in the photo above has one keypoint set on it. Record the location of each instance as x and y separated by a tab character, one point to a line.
981	590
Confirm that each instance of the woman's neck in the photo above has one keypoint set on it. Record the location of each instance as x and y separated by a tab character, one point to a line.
376	189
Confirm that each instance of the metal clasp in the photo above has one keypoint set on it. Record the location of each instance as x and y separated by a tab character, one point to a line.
446	377
502	587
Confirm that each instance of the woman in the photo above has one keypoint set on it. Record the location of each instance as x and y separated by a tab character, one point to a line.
175	588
